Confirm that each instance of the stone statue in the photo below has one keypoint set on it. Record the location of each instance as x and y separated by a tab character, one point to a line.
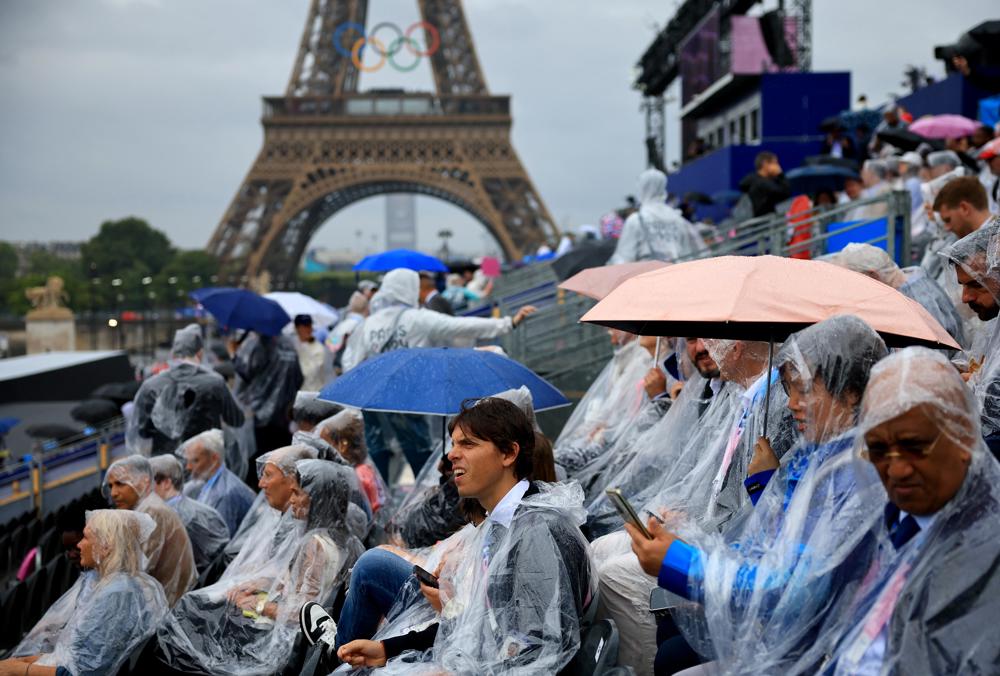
48	301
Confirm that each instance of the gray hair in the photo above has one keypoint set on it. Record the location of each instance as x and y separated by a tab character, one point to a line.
944	157
167	467
211	440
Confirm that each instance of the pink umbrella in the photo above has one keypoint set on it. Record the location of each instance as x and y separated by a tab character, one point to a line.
761	298
944	126
598	282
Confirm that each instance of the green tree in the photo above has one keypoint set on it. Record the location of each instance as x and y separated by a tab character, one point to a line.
124	246
8	261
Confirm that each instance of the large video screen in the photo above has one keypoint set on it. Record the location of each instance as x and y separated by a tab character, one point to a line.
700	62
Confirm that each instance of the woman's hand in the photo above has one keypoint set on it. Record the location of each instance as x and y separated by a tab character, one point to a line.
363	653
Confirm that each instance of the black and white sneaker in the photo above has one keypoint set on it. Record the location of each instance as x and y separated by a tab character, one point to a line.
317	624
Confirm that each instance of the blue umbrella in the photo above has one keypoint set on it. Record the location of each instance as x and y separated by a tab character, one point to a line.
399	258
812	179
435	381
242	309
7	424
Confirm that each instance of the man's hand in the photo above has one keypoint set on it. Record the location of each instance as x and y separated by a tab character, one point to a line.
654	382
363	653
675	391
522	313
650	552
763	457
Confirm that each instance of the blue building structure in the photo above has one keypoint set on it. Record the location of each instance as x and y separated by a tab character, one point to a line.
953	94
779	112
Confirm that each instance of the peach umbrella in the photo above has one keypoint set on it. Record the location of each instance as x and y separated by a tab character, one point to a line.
598	282
761	298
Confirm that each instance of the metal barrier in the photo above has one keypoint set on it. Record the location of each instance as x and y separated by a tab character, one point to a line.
85	455
828	228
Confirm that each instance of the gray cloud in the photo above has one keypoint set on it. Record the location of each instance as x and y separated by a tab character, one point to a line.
117	107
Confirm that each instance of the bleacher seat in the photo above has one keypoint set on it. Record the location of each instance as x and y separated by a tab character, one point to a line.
11	612
598	651
36	586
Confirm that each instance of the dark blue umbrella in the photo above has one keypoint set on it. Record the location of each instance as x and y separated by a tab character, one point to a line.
809	180
435	381
400	258
242	309
7	424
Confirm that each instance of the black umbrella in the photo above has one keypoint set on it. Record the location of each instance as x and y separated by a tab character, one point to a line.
831	123
225	369
119	393
51	431
906	140
697	198
589	254
94	411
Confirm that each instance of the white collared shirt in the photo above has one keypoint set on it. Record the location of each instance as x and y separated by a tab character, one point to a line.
503	513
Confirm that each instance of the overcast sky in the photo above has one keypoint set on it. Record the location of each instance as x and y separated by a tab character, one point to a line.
151	107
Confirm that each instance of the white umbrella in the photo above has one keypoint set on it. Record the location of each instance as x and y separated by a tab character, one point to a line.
295	303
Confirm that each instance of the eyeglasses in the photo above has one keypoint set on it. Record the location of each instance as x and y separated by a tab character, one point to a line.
909	450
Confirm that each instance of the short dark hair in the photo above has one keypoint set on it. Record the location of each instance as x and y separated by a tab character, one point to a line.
762	158
303	320
964	189
501	423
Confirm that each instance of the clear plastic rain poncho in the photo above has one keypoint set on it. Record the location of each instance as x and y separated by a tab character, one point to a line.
205	527
512	602
690	431
397	321
922	288
360	516
269	377
309	410
656	231
223	490
267	534
700	476
94	627
594	475
606	411
971	254
168	550
431	511
345	431
210	633
184	400
934	229
912	282
933	603
759	591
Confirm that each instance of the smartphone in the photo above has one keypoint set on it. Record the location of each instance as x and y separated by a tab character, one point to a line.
659	601
425	577
626	511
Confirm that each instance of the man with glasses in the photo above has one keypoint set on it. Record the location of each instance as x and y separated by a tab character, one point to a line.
933	595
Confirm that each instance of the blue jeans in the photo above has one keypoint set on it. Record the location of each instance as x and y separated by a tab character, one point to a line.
375	581
410	430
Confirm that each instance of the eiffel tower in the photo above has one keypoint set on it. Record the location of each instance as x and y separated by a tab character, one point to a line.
327	145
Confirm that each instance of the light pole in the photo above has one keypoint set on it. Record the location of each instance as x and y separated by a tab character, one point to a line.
445	235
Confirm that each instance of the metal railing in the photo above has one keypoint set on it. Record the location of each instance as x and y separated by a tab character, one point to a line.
28	478
383	105
881	221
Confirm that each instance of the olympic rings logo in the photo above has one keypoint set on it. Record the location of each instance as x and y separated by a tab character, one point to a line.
402	39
